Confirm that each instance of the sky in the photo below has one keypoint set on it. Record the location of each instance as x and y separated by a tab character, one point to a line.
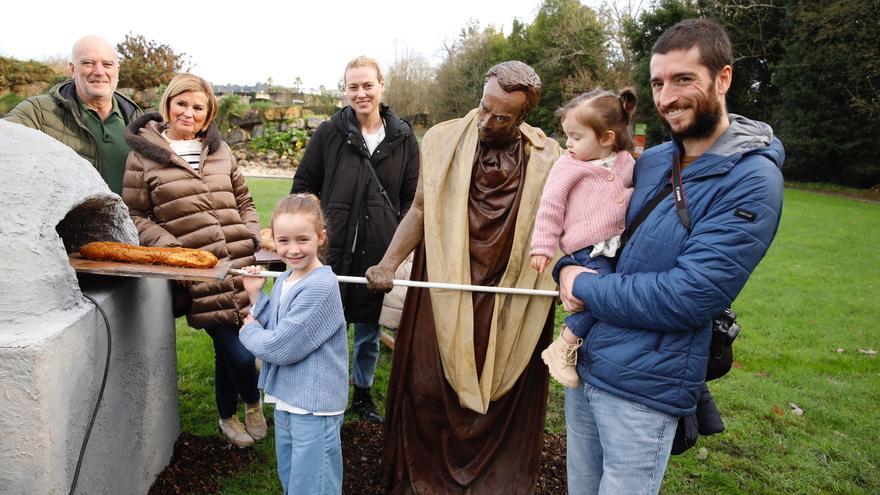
247	42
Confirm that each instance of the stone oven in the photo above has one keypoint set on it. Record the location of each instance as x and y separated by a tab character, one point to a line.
53	342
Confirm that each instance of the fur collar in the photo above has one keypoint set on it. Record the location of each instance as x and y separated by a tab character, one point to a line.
144	135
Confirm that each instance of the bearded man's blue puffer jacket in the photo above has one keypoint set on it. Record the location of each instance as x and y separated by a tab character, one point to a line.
651	342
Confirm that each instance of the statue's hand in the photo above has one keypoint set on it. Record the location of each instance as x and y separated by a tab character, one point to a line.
380	278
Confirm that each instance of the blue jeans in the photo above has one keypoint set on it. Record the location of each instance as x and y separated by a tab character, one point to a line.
580	323
235	372
309	453
366	354
614	445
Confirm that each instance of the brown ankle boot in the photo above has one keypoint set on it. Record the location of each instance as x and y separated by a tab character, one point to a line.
235	432
255	422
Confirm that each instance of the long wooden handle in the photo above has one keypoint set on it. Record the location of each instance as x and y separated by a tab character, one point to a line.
426	285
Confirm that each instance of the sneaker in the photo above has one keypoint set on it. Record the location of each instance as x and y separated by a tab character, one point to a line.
561	359
255	422
235	432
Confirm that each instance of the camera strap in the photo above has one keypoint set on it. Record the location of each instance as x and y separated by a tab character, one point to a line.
676	186
643	214
681	208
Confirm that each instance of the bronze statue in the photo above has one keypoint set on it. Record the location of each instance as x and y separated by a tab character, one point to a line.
468	391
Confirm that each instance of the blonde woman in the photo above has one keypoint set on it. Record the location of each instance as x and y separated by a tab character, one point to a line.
183	188
363	164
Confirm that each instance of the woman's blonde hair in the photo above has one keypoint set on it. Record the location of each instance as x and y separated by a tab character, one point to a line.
364	61
181	83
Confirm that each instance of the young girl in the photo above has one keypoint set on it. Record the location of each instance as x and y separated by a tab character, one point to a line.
299	333
583	207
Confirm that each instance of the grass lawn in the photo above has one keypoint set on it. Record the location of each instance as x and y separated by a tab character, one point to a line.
808	314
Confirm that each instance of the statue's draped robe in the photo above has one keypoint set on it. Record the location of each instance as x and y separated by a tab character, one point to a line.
432	443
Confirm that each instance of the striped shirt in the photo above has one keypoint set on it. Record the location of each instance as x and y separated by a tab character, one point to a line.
190	150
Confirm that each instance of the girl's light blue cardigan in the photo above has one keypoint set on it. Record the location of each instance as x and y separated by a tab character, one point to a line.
303	343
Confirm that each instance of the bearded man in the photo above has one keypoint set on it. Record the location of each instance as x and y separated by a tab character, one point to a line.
716	190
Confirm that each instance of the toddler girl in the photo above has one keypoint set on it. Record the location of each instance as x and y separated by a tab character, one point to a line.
299	333
583	206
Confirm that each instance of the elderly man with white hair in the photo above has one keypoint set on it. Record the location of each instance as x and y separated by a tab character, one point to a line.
85	112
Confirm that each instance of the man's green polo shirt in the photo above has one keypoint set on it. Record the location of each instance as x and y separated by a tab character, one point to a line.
109	135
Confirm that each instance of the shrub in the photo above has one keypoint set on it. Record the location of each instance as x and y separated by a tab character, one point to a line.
229	106
8	102
15	74
282	142
147	63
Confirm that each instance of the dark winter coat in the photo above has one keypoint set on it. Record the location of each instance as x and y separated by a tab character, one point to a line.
360	224
651	343
211	209
58	115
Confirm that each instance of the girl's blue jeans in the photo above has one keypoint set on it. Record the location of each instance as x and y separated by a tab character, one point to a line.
309	453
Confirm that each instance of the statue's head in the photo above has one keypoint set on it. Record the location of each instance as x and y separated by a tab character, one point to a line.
511	91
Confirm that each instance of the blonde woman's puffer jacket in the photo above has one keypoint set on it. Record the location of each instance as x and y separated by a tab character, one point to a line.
211	209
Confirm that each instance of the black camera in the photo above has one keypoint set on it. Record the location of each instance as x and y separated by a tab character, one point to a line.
724	331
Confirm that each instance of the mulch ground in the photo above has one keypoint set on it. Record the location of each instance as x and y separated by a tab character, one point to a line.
198	461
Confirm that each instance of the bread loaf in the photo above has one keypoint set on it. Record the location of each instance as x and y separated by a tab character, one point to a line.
267	242
171	256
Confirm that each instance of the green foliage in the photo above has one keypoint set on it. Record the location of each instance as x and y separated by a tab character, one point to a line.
809	69
147	63
229	106
323	103
262	105
15	74
642	33
828	112
758	35
460	75
8	102
566	45
281	142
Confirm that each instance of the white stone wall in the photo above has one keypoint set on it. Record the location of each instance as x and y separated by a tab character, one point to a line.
50	374
41	183
53	341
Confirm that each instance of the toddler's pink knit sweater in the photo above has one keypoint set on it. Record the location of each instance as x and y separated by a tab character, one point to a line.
583	203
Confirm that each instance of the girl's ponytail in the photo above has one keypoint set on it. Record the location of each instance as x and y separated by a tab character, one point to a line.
627	99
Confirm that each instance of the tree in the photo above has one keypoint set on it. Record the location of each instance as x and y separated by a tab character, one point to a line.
827	112
758	33
641	34
566	46
146	63
409	84
461	74
615	15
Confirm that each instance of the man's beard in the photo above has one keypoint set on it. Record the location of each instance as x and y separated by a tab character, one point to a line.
707	116
499	141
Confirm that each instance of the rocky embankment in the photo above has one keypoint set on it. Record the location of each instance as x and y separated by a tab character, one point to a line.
263	164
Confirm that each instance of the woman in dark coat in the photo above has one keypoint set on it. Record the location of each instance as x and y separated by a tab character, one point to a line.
362	209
